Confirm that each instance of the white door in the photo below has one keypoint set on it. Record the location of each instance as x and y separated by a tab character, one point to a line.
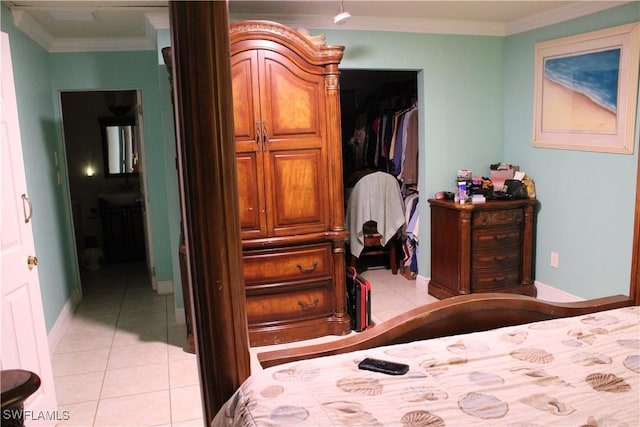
24	336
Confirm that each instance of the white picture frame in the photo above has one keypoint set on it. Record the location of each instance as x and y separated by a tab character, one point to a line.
586	91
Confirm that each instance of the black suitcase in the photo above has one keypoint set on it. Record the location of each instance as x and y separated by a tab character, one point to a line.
358	300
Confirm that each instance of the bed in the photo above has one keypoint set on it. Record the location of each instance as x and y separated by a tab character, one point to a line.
482	359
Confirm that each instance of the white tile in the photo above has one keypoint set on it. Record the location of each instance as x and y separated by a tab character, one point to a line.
78	388
177	349
388	300
198	422
146	409
83	342
186	403
415	296
138	354
144	315
98	307
78	414
89	324
375	319
183	373
147	381
390	313
176	331
79	362
145	304
135	380
140	333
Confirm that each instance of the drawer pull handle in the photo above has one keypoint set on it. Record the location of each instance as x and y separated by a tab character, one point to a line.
307	307
498	279
307	270
500	237
499	258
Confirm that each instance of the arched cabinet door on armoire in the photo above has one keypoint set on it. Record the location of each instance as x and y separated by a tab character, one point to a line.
289	164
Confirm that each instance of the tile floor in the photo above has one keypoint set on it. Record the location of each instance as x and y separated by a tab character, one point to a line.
122	361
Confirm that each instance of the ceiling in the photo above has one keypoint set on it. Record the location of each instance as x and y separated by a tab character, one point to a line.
72	26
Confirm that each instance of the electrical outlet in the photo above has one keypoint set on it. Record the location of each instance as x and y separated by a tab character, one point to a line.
555	258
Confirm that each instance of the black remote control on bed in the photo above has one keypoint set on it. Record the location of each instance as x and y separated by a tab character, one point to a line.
384	366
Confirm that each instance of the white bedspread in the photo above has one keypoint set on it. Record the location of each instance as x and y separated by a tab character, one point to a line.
375	197
579	371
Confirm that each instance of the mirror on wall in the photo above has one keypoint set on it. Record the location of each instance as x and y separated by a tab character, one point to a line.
120	145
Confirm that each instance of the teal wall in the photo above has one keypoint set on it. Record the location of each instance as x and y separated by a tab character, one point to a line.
173	192
475	98
41	133
39	79
476	101
460	94
128	70
587	199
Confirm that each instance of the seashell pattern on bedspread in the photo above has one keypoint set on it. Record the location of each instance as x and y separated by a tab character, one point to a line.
583	370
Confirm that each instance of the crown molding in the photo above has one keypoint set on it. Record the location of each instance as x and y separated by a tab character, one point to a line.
102	44
559	14
376	23
159	20
23	21
31	28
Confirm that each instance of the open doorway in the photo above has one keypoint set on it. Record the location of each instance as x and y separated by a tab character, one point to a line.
103	146
377	136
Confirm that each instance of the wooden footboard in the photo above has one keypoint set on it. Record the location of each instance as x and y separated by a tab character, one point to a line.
456	315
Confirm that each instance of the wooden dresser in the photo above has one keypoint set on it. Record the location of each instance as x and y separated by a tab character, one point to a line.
289	164
486	247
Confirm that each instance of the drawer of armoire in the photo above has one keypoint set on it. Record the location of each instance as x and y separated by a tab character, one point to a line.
494	278
495	237
274	265
500	217
291	304
497	257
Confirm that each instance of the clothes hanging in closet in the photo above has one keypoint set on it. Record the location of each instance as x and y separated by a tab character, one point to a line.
387	140
410	242
405	153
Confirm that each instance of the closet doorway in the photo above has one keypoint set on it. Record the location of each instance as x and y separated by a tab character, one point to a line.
372	105
103	146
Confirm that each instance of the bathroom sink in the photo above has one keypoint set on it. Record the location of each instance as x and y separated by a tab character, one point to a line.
125	198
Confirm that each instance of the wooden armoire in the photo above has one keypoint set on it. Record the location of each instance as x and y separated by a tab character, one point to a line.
286	108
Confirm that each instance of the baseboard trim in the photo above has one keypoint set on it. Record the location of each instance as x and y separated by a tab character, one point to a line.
63	321
549	293
154	281
544	291
164	287
422	283
180	316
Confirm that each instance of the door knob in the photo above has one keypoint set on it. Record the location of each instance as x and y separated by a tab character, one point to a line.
32	261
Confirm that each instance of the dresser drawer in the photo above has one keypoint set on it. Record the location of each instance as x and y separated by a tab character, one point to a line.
494	278
285	303
495	237
499	217
293	263
496	258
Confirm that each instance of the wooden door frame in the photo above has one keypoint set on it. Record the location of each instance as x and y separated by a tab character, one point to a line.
207	169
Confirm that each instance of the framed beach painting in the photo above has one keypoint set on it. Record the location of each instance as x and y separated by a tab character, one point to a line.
586	91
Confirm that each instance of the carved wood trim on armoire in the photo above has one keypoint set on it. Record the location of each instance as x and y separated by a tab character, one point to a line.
286	104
